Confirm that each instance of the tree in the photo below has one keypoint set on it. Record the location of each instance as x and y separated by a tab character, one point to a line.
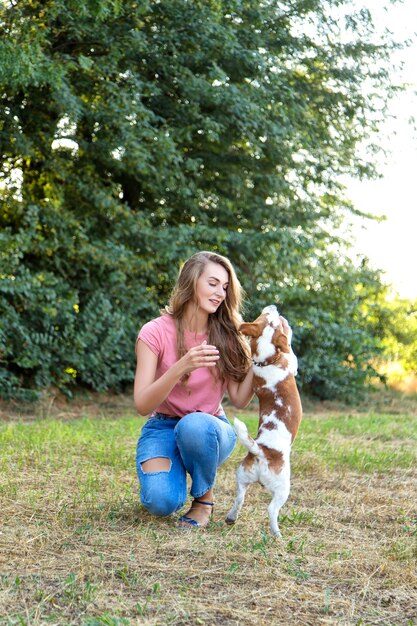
133	134
400	334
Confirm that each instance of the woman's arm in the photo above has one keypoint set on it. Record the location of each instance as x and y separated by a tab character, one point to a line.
149	392
240	394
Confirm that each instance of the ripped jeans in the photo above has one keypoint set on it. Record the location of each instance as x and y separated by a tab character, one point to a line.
196	443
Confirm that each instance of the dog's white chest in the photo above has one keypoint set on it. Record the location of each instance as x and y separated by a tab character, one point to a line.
273	375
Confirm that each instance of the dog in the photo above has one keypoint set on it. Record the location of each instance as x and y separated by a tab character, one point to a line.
280	412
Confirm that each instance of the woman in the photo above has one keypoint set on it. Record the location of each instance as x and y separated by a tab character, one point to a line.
186	360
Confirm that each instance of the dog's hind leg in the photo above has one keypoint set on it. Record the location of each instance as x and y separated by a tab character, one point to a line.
242	485
279	497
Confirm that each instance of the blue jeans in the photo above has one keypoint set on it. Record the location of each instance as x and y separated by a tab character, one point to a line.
196	443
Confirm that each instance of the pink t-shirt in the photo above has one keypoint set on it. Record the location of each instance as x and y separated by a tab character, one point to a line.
202	391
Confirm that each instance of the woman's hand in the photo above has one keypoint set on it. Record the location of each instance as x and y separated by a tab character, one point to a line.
203	355
150	392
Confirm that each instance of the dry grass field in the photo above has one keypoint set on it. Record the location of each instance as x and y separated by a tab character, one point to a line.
76	547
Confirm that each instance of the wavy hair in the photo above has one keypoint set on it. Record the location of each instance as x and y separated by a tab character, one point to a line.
223	325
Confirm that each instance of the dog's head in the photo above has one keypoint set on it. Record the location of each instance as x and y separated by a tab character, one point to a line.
270	336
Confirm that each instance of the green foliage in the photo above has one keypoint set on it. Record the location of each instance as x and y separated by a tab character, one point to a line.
336	313
400	342
133	134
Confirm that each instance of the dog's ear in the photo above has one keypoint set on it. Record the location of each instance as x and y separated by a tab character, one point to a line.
251	329
281	342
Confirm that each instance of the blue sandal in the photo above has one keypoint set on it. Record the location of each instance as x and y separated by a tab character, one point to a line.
189	522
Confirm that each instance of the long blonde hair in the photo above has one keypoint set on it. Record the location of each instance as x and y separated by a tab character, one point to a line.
223	325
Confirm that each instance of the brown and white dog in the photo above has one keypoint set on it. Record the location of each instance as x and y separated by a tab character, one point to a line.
268	459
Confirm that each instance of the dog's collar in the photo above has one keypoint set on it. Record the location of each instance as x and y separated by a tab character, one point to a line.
262	364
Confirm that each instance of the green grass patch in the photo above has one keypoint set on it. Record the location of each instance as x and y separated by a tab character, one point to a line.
50	442
77	547
365	443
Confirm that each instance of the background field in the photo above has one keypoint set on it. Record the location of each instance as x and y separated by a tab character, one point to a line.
76	547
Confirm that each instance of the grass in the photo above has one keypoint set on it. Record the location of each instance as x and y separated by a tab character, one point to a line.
76	547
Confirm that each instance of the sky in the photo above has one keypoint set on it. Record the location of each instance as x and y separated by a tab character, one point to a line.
392	245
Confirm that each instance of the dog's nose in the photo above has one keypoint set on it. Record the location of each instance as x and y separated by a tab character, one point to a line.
270	309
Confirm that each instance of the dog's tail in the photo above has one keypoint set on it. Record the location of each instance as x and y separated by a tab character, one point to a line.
245	438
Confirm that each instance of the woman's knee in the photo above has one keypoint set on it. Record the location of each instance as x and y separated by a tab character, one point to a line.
160	506
161	499
194	429
199	433
161	491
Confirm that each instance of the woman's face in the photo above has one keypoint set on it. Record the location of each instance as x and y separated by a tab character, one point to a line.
211	287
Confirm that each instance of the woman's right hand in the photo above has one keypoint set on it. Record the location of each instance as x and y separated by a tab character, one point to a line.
149	391
203	355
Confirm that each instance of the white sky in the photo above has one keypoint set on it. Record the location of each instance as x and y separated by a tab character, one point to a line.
392	245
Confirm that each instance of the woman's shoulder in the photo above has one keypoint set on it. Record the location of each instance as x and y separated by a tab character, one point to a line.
162	323
158	333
